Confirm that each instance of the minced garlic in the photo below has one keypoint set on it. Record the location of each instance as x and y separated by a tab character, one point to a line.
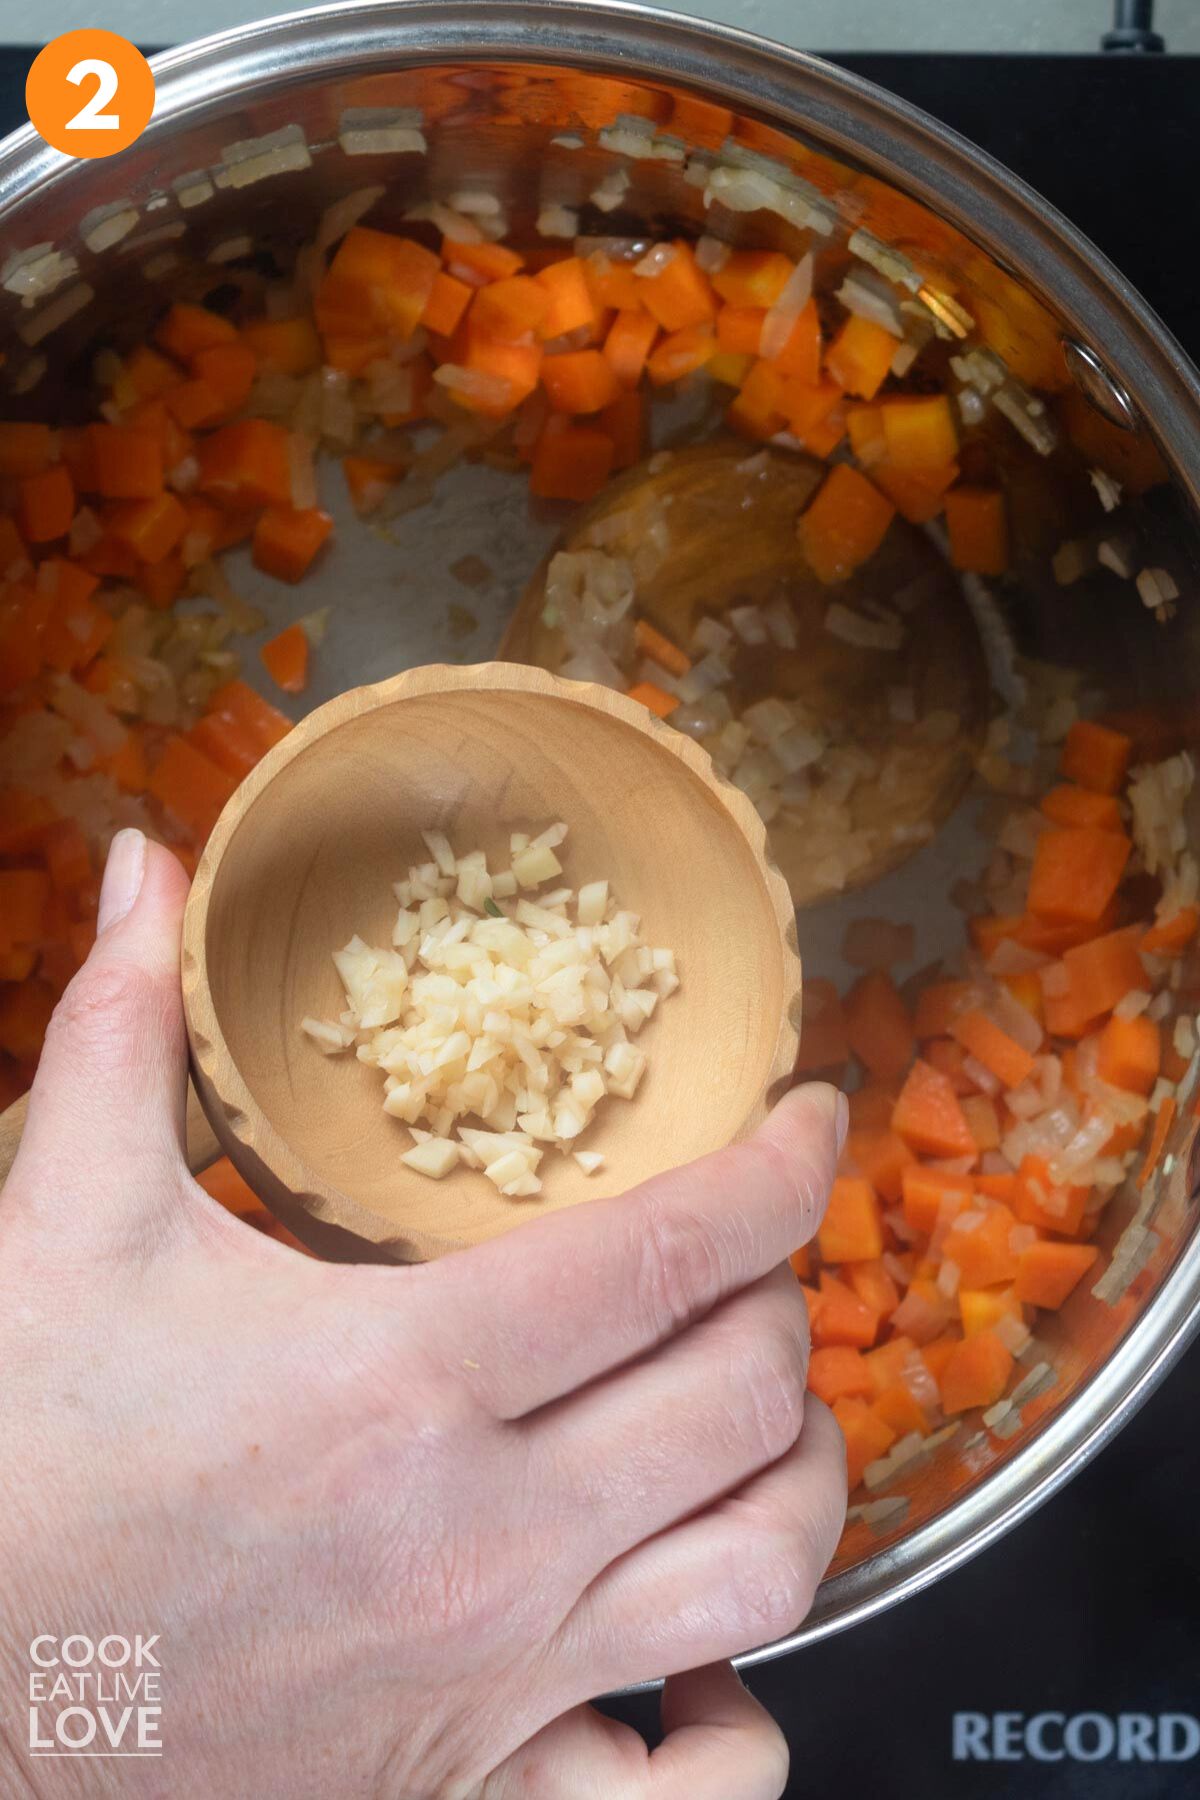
495	1007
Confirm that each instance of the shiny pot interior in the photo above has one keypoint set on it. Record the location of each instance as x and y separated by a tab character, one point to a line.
257	133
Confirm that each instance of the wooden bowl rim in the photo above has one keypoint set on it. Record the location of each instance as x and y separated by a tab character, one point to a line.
260	1151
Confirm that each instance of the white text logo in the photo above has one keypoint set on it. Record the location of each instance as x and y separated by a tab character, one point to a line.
1075	1737
94	1698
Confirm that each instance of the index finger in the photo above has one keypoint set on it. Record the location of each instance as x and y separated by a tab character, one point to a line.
537	1313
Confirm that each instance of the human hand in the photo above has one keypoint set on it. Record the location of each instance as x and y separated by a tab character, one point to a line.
394	1526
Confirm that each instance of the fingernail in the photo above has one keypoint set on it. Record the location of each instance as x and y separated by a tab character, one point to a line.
841	1120
123	874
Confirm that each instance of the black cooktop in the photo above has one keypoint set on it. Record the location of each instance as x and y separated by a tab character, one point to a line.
1093	1606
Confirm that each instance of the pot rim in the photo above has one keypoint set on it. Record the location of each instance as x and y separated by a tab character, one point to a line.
853	118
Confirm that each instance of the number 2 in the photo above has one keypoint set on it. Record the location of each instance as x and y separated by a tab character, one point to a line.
91	116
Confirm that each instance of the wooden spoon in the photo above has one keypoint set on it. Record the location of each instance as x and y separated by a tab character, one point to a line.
731	518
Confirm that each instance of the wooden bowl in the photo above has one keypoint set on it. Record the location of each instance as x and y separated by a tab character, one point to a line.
304	856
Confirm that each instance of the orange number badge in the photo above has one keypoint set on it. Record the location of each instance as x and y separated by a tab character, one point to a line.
90	93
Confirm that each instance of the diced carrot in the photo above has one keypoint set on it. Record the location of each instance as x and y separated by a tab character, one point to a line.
13	555
807	406
1172	935
25	1009
681	353
739	330
651	642
983	1039
871	1105
801	354
1053	936
844	525
840	1317
887	1363
26	447
624	421
984	1253
851	1230
1076	872
918	495
45	505
681	293
758	409
753	277
223	1183
510	309
982	1309
24	614
801	1262
926	1191
23	818
290	345
519	365
571	307
24	894
977	522
572	464
77	629
940	1003
226	743
377	282
1080	806
65	852
485	261
613	285
195	404
230	369
979	1110
646	693
823	1040
1163	1121
286	540
247	464
448	301
285	658
150	528
928	1115
919	431
838	1370
1096	757
190	787
873	1285
239	703
1026	989
868	1437
924	1312
1104	970
128	461
579	381
1048	1272
1050	1205
938	1353
881	1157
628	344
878	1026
976	1373
860	357
901	1412
368	478
950	1059
989	930
189	328
127	765
822	436
996	1187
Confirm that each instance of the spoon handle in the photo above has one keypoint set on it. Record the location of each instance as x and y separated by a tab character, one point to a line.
202	1146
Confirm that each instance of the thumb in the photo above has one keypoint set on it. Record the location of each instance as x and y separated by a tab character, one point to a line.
112	1083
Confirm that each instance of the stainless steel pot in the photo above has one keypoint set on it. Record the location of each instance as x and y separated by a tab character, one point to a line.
256	132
